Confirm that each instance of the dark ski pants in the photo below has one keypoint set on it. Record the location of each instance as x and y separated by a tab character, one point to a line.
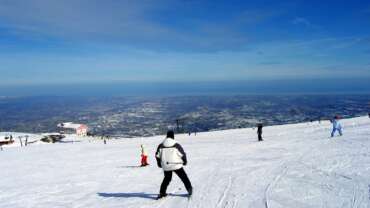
336	129
260	137
168	177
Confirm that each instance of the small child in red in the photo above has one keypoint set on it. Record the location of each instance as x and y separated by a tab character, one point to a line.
144	156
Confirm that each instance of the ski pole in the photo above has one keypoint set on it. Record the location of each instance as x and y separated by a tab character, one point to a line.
174	163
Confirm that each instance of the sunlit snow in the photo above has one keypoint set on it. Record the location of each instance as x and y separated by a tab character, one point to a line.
296	165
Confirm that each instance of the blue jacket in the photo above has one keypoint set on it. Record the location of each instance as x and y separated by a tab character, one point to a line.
336	124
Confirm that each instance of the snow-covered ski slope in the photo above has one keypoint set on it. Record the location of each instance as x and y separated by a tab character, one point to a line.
297	165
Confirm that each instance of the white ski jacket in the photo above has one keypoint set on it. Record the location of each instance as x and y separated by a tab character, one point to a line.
170	155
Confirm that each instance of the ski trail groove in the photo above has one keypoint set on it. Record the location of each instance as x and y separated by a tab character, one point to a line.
283	172
354	196
225	192
272	184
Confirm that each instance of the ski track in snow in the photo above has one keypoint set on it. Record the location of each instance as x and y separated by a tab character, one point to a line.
298	165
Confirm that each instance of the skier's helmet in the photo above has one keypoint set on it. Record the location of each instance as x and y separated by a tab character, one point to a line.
170	134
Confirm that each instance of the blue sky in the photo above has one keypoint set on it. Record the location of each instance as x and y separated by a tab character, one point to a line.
78	41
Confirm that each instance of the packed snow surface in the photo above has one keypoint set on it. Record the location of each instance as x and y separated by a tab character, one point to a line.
298	165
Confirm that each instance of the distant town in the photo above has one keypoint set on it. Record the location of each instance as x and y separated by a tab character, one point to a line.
147	116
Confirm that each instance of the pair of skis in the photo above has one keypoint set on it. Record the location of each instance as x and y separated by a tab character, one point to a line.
175	194
188	196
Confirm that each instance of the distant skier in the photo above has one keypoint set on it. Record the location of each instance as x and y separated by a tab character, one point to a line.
336	126
259	132
144	156
171	157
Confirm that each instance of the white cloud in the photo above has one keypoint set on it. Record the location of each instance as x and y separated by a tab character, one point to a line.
79	18
143	24
302	21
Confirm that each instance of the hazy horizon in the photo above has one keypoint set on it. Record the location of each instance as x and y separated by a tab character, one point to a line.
317	86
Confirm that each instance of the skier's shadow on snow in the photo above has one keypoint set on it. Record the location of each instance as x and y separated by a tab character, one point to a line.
129	195
137	195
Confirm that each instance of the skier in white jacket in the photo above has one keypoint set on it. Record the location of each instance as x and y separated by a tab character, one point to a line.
171	158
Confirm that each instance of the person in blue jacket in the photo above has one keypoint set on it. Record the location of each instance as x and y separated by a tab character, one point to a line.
336	126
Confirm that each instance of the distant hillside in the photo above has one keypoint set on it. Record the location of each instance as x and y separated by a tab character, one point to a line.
148	116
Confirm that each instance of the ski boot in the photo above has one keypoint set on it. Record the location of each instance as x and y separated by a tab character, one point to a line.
160	196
